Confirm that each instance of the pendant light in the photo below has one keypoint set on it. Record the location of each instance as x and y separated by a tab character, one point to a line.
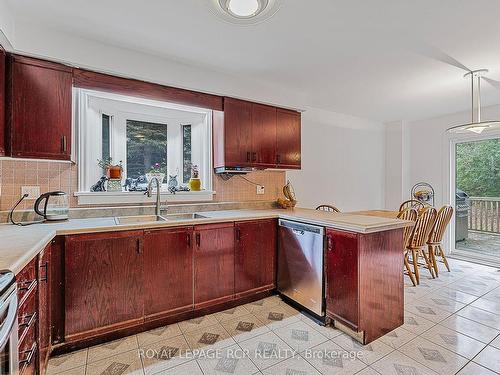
476	126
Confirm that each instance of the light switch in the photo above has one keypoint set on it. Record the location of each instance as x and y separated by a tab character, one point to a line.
260	190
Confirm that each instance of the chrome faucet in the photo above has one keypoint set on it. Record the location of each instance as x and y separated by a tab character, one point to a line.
149	192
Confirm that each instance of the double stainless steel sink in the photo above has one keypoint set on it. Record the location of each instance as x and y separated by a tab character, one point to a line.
141	219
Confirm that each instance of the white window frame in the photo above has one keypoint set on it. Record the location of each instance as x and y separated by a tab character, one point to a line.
89	106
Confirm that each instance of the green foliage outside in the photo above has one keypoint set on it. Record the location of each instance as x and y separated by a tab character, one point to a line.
146	145
478	168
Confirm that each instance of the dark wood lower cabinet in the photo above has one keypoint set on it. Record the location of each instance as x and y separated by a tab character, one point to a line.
213	264
364	281
44	266
255	256
103	282
168	271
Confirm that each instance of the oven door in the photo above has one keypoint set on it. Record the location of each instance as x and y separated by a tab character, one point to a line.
9	361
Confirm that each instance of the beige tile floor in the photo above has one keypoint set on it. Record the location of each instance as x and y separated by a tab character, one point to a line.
452	326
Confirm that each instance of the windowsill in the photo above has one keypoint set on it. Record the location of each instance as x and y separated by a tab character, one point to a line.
117	197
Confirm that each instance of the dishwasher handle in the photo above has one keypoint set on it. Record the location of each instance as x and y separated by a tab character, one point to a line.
301	228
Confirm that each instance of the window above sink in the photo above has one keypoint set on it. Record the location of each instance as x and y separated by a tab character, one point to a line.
141	134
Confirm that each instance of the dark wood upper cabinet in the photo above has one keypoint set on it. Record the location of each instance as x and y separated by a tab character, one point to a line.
3	84
103	282
255	256
44	303
235	133
213	264
248	134
358	295
288	140
263	136
38	109
168	271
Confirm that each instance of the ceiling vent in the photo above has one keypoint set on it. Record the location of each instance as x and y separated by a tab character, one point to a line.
245	12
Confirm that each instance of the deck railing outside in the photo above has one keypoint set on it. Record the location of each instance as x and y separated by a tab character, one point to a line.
484	214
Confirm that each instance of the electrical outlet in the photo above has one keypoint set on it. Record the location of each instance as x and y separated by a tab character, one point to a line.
32	191
260	190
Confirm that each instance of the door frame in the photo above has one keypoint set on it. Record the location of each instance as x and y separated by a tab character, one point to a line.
453	140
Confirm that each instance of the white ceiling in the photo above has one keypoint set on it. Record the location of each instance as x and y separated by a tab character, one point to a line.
385	59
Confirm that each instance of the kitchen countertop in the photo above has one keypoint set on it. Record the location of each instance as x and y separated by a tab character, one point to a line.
18	245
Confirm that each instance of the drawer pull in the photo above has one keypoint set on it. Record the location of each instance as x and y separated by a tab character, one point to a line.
46	266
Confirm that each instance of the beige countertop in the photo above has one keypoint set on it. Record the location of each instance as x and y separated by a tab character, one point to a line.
18	245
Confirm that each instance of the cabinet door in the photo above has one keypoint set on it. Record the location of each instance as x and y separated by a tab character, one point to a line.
255	256
168	271
342	277
237	132
288	148
40	109
263	135
44	304
103	282
2	101
213	264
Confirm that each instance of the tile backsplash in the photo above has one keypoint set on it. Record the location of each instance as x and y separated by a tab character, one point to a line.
54	175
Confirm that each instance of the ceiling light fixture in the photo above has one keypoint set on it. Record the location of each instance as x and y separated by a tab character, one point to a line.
476	126
243	8
245	12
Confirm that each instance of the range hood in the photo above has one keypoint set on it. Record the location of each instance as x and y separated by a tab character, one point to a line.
476	125
233	170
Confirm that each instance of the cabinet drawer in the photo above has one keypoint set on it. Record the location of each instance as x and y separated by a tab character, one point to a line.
27	314
26	280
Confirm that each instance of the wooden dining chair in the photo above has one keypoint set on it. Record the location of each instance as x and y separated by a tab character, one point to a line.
413	203
418	242
327	207
408	214
436	235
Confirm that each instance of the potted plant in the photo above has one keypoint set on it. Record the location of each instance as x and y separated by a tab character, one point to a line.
156	170
112	171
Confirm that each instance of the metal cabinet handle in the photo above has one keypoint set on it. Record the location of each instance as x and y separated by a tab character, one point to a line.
329	243
139	246
254	156
188	239
46	266
238	234
278	158
198	239
64	144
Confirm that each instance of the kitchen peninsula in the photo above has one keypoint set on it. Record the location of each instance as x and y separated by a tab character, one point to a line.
213	262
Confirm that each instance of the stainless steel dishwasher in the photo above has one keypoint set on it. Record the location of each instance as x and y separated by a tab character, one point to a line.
300	264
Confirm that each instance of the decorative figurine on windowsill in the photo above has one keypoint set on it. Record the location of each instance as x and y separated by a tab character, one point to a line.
136	184
172	184
99	185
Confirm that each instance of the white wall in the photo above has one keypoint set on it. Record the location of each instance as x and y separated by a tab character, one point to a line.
342	162
424	147
343	157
